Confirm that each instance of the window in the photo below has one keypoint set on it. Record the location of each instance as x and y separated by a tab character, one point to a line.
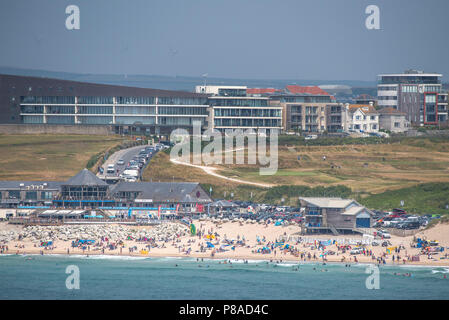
14	194
47	100
136	100
181	101
60	119
60	109
95	100
31	195
397	125
430	98
135	120
32	119
94	110
94	120
47	195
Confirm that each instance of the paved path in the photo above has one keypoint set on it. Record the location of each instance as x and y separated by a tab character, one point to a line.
211	171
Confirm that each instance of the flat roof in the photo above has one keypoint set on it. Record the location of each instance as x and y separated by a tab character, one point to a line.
410	75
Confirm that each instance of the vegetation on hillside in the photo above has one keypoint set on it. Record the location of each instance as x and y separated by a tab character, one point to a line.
47	156
429	198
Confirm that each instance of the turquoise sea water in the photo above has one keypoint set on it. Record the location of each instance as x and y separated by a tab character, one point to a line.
105	277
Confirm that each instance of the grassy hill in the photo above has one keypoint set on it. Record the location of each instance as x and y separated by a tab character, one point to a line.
366	169
49	157
423	199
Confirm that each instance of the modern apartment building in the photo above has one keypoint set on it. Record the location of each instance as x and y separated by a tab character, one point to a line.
232	108
419	95
308	109
365	99
33	100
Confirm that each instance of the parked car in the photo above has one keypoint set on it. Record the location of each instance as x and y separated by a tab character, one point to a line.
384	234
386	243
356	251
409	225
111	169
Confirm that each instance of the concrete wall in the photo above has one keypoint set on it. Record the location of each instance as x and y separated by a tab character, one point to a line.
54	129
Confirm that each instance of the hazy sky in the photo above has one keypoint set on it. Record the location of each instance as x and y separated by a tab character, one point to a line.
259	39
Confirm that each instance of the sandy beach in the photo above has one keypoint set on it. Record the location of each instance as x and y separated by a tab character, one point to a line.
237	241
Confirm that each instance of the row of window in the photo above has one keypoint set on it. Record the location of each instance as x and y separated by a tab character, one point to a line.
386	88
358	117
95	100
29	195
314	110
136	100
182	110
238	102
118	110
109	100
307	99
363	127
409	79
247	122
410	89
432	89
232	92
381	98
431	98
48	99
247	113
181	121
182	101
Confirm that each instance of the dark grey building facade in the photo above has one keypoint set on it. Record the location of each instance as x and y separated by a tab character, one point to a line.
34	100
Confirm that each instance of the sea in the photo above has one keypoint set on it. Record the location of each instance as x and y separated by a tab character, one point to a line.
112	277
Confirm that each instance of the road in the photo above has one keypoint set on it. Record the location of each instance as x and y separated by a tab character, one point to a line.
125	154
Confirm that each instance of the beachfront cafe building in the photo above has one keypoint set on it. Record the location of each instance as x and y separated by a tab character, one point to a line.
165	197
17	194
85	191
335	215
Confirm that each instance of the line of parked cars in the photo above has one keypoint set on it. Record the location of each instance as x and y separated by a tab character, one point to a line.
399	219
137	163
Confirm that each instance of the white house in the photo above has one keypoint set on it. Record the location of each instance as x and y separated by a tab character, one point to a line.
360	118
